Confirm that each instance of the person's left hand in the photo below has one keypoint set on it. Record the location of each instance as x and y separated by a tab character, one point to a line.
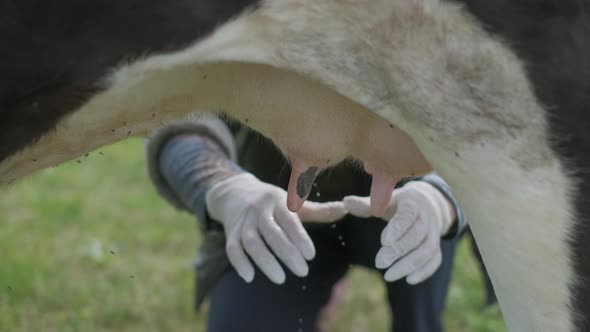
418	214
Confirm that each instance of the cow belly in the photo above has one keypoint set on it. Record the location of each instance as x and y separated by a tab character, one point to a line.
521	219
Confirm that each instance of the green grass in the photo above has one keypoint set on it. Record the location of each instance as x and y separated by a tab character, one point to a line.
90	246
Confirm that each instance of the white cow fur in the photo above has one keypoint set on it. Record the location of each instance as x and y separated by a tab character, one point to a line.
426	67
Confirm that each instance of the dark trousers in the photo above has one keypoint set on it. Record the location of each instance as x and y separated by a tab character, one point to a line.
262	306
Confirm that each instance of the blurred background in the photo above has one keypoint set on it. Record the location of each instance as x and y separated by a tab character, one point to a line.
90	246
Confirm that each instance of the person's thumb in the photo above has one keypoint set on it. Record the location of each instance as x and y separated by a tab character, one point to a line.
321	212
358	206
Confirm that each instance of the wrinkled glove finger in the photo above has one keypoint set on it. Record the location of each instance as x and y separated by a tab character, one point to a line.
293	228
412	261
237	257
426	271
409	241
321	212
282	247
358	206
405	217
262	257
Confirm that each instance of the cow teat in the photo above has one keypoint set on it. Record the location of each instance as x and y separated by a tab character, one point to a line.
381	190
303	175
302	178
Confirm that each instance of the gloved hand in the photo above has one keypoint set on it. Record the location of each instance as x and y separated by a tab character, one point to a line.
253	212
418	215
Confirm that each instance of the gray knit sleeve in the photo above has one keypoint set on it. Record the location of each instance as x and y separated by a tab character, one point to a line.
186	158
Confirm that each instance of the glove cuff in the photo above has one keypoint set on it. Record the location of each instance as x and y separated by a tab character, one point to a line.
460	223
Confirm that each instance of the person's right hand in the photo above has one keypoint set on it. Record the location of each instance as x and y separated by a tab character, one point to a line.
254	213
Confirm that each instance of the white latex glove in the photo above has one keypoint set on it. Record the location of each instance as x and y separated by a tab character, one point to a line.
254	213
418	215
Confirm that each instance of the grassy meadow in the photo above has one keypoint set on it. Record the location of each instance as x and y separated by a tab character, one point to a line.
90	246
